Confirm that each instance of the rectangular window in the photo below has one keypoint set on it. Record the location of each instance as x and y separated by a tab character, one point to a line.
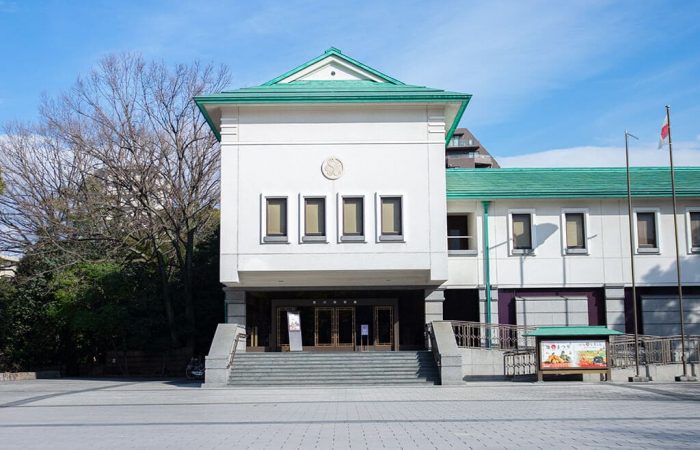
694	231
575	231
276	219
391	226
459	237
647	239
522	232
314	218
353	218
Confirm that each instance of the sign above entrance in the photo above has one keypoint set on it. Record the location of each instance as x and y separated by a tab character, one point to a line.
332	168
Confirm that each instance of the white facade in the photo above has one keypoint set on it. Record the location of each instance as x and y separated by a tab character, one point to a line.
606	260
384	150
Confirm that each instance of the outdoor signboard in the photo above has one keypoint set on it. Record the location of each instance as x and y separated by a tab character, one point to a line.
364	329
294	328
573	354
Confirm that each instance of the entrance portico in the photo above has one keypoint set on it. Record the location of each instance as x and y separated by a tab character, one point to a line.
336	325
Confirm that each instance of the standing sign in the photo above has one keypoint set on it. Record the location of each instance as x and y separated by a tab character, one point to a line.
364	337
294	328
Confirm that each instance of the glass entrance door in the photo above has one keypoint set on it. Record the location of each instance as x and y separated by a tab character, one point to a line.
324	327
384	327
335	327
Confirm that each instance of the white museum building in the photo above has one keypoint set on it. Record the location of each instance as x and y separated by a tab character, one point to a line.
337	204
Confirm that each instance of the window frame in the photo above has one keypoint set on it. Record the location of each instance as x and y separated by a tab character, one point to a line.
575	251
382	238
533	234
650	250
303	237
342	238
471	234
264	238
692	249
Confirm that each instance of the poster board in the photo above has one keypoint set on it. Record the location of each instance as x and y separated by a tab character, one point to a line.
294	330
573	354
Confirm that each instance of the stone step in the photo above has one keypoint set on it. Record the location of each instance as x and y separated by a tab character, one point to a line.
417	382
302	373
306	368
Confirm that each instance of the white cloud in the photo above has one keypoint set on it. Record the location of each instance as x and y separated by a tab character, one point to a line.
510	53
684	154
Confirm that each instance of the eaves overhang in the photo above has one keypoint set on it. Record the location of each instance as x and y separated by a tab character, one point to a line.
259	96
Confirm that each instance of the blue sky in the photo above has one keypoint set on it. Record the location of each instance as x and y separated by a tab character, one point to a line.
553	83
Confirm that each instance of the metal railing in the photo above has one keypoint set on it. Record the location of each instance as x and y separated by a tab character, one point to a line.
430	337
492	336
236	340
653	350
520	362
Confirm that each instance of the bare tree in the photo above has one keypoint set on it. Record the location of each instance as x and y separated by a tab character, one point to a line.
123	159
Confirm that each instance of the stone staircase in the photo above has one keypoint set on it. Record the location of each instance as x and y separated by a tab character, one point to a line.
349	368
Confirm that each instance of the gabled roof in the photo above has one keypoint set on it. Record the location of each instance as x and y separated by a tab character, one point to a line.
369	86
602	182
332	51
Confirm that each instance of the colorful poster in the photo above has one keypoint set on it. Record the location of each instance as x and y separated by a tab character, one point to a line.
293	321
573	355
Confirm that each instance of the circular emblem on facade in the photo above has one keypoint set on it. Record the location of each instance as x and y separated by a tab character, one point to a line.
332	168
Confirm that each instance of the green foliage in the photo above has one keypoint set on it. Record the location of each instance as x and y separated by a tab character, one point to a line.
54	315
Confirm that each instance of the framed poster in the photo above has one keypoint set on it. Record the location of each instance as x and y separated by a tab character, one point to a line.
293	321
294	329
578	354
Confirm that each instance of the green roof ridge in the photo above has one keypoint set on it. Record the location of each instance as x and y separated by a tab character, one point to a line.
335	52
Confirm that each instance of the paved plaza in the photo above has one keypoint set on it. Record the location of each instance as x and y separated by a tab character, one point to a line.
166	414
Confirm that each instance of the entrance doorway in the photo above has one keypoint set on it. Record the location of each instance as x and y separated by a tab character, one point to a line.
339	328
335	327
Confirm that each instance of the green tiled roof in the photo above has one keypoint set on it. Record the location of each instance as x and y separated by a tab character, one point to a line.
572	331
336	91
488	184
341	91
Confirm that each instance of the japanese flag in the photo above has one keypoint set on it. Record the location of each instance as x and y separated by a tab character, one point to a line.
663	140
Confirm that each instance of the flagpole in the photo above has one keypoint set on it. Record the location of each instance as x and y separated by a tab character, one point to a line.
685	376
637	377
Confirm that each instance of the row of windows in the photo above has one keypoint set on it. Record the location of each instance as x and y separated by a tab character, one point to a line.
521	229
351	212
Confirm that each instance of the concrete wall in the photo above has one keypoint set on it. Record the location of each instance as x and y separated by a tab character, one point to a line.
482	364
551	311
661	374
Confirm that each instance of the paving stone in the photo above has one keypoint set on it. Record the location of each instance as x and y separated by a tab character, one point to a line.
82	414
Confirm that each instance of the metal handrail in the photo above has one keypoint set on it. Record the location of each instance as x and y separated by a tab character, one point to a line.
492	336
656	350
433	343
234	347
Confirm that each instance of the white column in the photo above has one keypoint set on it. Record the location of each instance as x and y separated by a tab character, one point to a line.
615	307
433	304
235	306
